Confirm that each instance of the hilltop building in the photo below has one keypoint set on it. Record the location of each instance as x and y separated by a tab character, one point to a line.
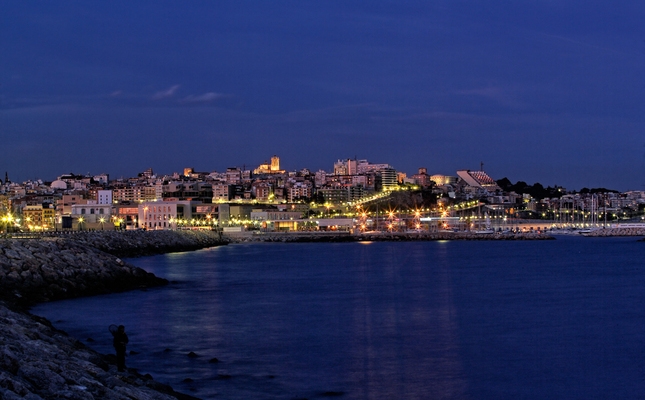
479	180
269	168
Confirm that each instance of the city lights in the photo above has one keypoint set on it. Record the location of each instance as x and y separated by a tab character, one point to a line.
368	198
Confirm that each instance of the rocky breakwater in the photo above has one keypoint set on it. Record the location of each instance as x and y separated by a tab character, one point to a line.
431	236
606	232
142	243
51	269
300	237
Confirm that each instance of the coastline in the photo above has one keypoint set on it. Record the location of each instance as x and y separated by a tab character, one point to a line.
39	361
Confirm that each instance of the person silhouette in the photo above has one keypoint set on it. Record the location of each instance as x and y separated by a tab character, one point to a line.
120	341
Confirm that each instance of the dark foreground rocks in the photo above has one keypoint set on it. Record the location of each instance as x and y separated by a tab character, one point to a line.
39	362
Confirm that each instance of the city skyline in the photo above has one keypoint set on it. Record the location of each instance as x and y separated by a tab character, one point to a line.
259	171
541	92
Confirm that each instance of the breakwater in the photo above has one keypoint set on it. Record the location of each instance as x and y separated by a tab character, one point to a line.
39	362
52	269
381	236
143	243
606	232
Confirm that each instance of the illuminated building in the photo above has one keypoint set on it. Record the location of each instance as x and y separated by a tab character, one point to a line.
478	179
261	191
233	175
388	179
64	205
269	168
33	216
222	192
440	180
422	178
299	190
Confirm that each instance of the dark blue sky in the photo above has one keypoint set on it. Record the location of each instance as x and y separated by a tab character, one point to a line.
540	91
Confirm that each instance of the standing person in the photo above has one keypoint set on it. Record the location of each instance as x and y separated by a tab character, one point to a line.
119	342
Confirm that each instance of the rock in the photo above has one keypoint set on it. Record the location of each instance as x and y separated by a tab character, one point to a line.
10	253
39	362
332	394
74	270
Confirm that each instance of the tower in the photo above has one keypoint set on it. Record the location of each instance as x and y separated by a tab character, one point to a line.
275	163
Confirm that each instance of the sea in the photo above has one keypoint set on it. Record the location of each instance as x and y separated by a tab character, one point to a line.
555	319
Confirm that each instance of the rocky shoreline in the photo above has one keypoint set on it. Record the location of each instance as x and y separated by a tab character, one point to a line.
143	243
38	361
41	270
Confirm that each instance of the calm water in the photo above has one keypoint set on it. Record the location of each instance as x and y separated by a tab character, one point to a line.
561	319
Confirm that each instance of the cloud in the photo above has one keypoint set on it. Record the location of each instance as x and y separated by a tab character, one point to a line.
164	94
203	98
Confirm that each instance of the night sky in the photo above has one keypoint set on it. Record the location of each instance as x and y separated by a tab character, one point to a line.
539	91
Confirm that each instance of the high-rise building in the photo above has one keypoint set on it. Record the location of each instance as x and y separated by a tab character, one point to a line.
388	179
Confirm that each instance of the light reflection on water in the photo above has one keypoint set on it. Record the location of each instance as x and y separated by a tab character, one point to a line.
454	320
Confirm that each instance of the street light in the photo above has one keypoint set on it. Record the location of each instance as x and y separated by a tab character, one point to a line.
102	221
8	220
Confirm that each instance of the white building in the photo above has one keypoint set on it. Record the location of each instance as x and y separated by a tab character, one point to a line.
104	197
299	190
274	215
91	215
221	192
162	215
